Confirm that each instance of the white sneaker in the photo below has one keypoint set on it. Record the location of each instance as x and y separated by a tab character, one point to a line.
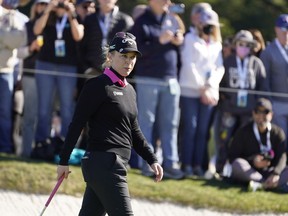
254	186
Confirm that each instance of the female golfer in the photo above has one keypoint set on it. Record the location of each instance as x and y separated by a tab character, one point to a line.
108	104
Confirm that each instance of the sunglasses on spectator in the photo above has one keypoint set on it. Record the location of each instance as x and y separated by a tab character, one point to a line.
261	111
284	29
42	3
125	35
243	44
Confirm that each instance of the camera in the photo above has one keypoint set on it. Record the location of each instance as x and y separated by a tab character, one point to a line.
61	5
177	8
268	155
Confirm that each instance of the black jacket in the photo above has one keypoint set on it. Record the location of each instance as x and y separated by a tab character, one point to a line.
245	145
91	44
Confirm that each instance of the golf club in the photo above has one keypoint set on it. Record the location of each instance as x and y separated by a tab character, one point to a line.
60	180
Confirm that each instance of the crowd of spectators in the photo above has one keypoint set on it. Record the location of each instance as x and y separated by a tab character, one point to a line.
189	82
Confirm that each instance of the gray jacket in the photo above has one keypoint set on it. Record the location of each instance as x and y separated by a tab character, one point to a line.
276	70
256	81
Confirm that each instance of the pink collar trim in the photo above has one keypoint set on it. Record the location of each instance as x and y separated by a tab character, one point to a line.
114	78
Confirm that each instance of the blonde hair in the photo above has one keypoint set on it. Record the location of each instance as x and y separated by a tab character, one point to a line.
107	60
180	22
217	34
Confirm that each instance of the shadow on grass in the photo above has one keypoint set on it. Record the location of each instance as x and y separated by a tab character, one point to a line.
223	184
227	183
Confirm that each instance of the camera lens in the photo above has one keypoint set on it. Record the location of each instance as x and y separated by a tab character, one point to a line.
61	5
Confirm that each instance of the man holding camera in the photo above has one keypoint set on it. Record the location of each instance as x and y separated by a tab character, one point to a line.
257	152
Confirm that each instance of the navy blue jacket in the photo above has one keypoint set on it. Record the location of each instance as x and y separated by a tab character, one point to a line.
158	60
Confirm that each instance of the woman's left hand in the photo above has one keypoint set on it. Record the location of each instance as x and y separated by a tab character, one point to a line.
158	170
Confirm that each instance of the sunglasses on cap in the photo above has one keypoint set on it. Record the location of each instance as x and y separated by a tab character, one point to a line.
261	111
125	35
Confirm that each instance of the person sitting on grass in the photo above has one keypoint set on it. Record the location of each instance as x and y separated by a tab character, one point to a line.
257	151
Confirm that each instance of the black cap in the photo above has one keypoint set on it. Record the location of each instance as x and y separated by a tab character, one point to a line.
124	42
83	1
263	104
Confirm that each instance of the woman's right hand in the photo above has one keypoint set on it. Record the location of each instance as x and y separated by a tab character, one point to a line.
62	170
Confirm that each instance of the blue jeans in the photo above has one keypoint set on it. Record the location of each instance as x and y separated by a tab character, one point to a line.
195	118
29	114
153	95
46	84
6	98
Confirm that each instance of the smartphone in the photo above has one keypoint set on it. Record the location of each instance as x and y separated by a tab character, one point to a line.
177	8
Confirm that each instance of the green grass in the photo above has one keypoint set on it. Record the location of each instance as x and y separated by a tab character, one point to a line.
31	176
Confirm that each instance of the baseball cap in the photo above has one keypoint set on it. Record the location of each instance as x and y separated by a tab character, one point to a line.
209	17
244	35
282	22
42	1
263	104
199	7
124	42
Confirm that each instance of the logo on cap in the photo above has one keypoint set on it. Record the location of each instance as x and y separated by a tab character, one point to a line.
124	42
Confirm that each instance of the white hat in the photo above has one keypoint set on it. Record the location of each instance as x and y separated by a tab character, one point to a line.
209	17
244	35
41	1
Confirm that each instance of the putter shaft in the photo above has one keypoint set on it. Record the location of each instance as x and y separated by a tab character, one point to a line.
60	180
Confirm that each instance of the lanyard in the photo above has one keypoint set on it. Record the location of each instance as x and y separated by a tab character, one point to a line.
105	28
263	148
107	23
242	71
60	26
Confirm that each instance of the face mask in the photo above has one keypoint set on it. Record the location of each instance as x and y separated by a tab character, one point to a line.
207	29
242	52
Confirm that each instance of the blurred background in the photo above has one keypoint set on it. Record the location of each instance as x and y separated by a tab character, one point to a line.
234	14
